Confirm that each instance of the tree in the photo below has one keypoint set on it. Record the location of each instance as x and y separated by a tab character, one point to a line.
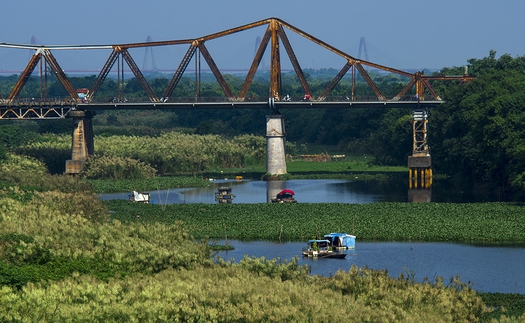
478	134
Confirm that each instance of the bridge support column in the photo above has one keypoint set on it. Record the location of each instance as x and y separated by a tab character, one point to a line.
420	172
275	143
420	163
82	145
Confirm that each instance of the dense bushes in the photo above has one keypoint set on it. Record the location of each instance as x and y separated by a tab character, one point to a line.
172	152
234	294
105	167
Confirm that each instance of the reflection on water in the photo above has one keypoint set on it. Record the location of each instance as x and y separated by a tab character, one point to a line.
314	191
487	268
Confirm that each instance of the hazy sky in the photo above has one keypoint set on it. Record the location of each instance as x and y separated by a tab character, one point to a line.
399	33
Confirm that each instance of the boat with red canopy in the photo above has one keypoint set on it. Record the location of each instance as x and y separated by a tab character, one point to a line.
285	196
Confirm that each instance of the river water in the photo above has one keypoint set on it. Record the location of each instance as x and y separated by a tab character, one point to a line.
318	191
487	268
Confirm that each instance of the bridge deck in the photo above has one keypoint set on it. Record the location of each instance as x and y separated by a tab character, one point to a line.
50	110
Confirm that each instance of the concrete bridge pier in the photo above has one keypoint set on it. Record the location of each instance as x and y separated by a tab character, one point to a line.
275	143
82	145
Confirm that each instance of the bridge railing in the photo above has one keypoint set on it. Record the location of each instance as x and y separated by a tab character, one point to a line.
44	102
37	102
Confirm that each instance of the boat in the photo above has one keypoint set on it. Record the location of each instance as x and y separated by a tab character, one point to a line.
135	196
340	240
224	194
320	248
285	196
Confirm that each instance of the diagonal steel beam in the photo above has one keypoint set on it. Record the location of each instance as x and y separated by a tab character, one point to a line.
59	72
430	89
25	75
211	63
104	72
335	81
180	71
294	61
255	64
140	77
404	90
370	82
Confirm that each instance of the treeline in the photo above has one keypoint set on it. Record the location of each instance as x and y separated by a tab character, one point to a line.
478	134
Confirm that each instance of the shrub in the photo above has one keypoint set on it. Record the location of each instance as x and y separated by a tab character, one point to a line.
105	167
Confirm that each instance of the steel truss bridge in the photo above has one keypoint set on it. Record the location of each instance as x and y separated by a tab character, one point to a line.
15	107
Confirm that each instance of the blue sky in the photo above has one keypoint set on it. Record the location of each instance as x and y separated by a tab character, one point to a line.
399	33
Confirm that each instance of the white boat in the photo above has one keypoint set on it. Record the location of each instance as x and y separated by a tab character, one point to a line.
135	196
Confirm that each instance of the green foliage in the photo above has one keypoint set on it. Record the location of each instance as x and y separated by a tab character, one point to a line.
233	293
105	167
53	150
469	222
61	262
175	152
12	135
3	154
479	132
512	305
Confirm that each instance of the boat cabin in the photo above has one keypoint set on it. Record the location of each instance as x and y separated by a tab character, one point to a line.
224	194
341	240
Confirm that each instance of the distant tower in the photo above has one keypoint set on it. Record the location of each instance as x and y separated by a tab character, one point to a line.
257	44
33	40
147	53
362	46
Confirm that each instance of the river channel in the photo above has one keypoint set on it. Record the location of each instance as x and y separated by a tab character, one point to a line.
486	268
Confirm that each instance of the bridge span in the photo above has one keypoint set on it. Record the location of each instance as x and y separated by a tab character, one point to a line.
82	105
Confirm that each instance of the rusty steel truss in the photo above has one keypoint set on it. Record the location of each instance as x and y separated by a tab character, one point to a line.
274	36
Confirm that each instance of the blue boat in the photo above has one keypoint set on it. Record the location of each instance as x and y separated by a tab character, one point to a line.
341	240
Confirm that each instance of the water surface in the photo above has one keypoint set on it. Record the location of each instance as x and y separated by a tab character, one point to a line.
487	268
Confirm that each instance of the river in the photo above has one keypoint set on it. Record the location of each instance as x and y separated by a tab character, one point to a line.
487	268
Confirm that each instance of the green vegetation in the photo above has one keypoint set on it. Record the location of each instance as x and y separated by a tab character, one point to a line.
65	257
487	223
